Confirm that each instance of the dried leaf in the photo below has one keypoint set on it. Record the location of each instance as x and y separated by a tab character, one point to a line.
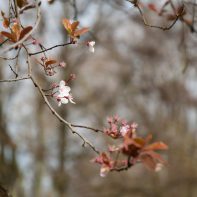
25	31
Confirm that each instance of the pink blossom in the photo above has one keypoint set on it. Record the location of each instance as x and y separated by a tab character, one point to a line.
62	64
124	130
134	126
35	42
64	95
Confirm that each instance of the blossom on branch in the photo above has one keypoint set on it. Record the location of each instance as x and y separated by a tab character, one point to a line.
130	149
106	163
64	95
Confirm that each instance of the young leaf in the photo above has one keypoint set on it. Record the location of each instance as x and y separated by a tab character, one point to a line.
25	31
6	22
148	161
156	146
16	30
49	62
74	25
21	3
67	25
10	36
156	156
81	31
171	17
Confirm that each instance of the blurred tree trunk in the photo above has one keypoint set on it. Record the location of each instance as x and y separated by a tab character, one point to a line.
8	166
39	150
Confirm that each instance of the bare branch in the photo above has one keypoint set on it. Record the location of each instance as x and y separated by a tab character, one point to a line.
14	80
59	45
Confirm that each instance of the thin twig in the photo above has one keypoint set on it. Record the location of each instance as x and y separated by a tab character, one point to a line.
86	127
155	26
42	51
14	80
61	119
26	7
3	42
16	75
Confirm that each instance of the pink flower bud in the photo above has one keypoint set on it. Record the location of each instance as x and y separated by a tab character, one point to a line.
54	85
62	64
72	76
35	42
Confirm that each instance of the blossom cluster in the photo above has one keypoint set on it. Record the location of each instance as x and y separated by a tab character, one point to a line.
130	150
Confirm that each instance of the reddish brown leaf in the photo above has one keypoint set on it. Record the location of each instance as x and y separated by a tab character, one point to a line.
16	30
25	31
156	146
181	10
156	156
140	141
152	7
9	36
21	3
49	62
6	22
81	31
67	25
148	161
171	17
74	25
148	139
1	38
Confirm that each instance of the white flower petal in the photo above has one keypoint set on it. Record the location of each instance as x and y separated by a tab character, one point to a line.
64	100
124	130
64	91
62	83
70	98
92	43
104	171
91	49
